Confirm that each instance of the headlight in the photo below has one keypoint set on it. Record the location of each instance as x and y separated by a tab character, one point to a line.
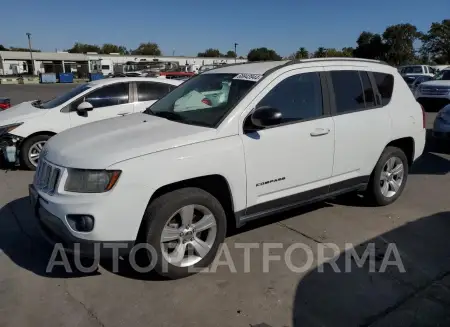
8	128
91	181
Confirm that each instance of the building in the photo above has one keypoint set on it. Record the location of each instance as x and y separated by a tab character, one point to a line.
15	62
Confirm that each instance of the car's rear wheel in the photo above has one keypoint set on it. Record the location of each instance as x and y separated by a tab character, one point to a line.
185	228
31	150
389	177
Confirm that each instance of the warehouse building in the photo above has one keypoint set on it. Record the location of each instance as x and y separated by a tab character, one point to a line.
21	63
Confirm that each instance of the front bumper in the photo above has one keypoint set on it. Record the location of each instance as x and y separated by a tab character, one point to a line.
55	231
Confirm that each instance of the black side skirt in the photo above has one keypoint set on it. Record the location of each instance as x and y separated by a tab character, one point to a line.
300	199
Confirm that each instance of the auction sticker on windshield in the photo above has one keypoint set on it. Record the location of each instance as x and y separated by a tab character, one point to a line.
249	77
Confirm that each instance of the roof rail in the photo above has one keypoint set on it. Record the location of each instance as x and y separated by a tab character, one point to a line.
303	61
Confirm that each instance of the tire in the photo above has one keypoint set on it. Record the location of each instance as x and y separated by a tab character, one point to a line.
25	159
157	216
374	190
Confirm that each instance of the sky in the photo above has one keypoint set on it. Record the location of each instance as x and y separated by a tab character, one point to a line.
188	27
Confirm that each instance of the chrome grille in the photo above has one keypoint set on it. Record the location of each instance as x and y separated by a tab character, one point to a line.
46	177
435	90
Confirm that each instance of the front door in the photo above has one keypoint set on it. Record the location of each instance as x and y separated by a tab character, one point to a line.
108	101
292	161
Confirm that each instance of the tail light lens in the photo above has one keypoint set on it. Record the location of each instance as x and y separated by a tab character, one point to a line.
4	106
424	122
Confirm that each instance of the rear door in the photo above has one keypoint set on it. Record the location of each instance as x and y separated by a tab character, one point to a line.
148	93
362	124
109	101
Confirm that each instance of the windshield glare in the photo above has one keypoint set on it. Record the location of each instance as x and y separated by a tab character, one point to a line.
63	98
202	100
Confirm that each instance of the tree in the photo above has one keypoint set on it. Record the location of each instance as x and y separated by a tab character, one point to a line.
436	42
147	49
370	46
230	54
212	53
320	53
84	48
399	40
347	52
2	48
112	48
301	53
262	54
23	49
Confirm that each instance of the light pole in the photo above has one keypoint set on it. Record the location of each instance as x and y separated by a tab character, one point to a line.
31	53
235	52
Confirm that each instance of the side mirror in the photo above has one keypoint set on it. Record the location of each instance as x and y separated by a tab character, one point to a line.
84	107
266	116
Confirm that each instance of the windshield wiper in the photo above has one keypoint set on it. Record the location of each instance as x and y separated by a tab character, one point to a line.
37	104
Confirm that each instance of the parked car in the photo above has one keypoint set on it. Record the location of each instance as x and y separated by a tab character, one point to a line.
5	103
414	81
417	69
435	94
282	134
441	126
29	125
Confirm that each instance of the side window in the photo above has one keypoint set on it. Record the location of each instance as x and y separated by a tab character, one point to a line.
369	96
298	97
385	85
110	95
348	90
151	91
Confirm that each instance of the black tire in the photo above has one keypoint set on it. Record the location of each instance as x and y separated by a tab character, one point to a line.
373	192
159	211
25	160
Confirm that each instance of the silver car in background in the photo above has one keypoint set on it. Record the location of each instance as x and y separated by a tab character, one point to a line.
441	127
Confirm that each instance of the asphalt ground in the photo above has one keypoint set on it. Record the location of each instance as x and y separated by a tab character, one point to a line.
256	292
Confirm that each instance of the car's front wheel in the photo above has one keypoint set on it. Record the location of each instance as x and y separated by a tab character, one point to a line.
185	228
31	150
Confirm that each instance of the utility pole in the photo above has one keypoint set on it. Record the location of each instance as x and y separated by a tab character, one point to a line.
31	53
235	52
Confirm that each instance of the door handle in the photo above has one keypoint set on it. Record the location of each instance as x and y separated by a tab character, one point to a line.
123	113
320	131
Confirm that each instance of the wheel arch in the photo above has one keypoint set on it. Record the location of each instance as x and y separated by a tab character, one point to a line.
215	184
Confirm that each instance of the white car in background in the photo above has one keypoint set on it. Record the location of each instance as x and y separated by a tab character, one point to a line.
434	94
417	69
25	128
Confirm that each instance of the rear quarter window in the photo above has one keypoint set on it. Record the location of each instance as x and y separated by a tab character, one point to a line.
385	85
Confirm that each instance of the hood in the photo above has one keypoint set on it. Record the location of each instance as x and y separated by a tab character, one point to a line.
100	144
436	83
20	113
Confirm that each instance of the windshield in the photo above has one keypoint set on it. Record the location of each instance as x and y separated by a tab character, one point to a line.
443	75
412	70
203	100
62	98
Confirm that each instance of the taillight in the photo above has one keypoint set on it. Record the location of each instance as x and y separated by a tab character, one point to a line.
424	122
207	101
4	106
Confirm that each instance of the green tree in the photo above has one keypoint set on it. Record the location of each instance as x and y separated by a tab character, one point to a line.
2	48
399	40
301	53
347	52
147	49
230	54
370	46
436	42
112	48
212	53
320	53
23	49
83	48
262	54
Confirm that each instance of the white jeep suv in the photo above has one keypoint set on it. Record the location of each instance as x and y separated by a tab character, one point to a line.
229	146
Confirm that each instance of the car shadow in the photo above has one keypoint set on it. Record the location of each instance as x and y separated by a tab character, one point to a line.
344	292
21	240
432	162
